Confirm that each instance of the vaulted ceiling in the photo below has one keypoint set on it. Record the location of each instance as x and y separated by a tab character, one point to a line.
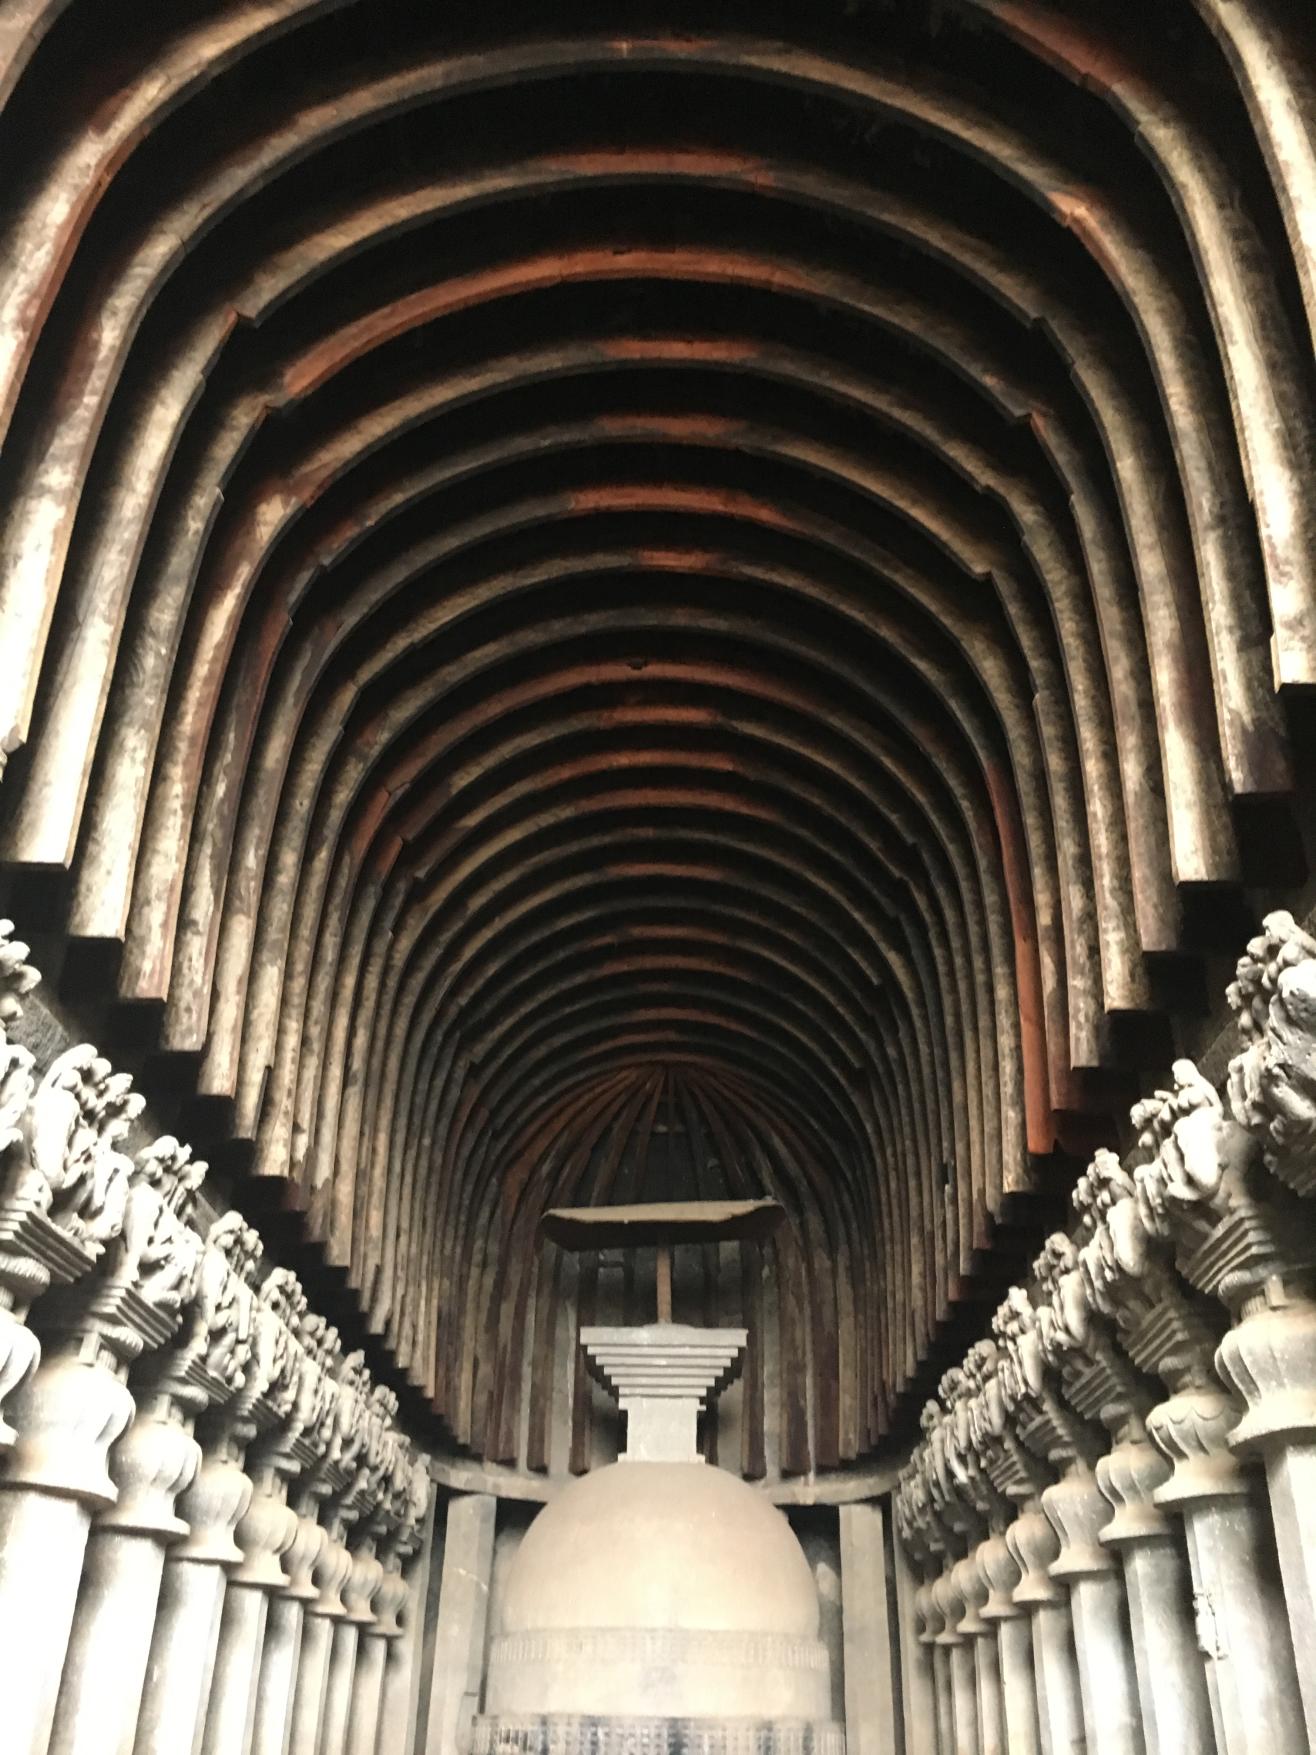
584	578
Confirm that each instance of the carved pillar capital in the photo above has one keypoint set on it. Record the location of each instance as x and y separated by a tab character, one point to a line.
1001	1576
413	1504
1270	1359
133	1301
1016	1472
364	1577
971	1591
949	1607
302	1558
264	1401
964	1453
1047	1427
19	1352
265	1533
156	1459
1078	1512
17	1066
1128	1276
70	1170
330	1572
925	1613
1129	1477
212	1507
68	1417
23	1276
1032	1541
1272	1081
1201	1187
1191	1429
1078	1342
63	1182
204	1365
390	1600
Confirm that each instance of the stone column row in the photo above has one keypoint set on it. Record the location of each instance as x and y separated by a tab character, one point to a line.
1109	1515
208	1514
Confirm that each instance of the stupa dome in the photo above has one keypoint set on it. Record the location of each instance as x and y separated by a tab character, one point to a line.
662	1545
659	1606
664	1589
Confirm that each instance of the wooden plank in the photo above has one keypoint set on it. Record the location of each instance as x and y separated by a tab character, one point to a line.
661	1222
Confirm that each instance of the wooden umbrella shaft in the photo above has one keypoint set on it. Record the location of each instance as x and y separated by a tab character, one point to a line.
664	1282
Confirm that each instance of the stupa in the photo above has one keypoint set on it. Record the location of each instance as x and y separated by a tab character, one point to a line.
660	1605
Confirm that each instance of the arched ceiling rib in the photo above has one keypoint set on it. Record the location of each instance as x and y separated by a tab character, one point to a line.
677	576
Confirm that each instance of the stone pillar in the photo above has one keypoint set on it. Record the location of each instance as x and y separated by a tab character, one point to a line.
367	1692
1102	1640
1270	1359
64	1195
972	1584
1098	1382
78	1404
377	1640
955	1495
156	1460
265	1532
869	1697
959	1656
378	1643
105	1668
463	1618
68	1416
288	1395
1032	1543
945	1697
1040	1697
312	1449
402	1671
931	1624
1003	1477
182	1656
378	1488
1241	1626
1001	1574
1241	1621
1270	1354
322	1616
1239	1237
282	1650
114	1544
1172	1689
917	1696
972	1469
175	1714
1076	1510
319	1569
353	1690
338	1686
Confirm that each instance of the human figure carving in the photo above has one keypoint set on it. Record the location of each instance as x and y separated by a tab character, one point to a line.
1272	1082
76	1174
1187	1178
17	979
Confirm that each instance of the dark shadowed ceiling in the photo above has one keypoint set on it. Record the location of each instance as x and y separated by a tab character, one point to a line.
612	601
